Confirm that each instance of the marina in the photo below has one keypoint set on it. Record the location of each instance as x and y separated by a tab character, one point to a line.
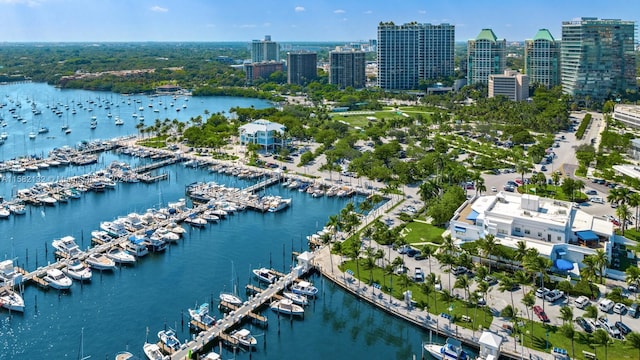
157	291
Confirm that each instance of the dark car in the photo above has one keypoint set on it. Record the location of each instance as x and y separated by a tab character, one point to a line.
540	313
584	325
412	252
624	329
419	256
459	270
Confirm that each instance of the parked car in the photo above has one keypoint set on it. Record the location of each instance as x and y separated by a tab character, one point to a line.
554	295
418	275
490	280
606	305
404	249
459	270
624	329
591	192
633	310
620	308
412	252
582	302
541	292
584	325
540	313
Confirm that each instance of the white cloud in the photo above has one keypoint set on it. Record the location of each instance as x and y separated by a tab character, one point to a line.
29	3
339	11
298	9
157	8
368	12
422	11
246	26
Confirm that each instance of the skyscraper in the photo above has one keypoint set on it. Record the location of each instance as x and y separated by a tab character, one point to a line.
264	50
412	52
347	68
542	59
597	58
486	55
302	67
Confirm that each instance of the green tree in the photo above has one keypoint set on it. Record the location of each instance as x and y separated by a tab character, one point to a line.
570	332
623	213
601	337
633	341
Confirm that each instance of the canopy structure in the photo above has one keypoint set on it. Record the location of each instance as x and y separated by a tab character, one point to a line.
563	265
587	235
473	216
460	229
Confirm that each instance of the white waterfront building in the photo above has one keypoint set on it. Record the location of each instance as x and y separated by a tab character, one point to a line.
555	228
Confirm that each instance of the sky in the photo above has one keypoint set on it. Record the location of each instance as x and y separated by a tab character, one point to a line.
286	20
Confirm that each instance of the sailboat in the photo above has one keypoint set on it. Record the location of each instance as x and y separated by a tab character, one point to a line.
231	298
82	357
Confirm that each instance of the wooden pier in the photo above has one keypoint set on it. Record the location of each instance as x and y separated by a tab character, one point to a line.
229	321
263	184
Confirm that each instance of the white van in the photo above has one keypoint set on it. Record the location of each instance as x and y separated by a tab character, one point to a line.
606	305
597	200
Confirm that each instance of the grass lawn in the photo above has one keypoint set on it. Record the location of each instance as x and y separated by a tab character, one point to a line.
551	191
583	341
417	232
158	142
361	120
394	285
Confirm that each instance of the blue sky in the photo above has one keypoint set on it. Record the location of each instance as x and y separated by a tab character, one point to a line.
285	20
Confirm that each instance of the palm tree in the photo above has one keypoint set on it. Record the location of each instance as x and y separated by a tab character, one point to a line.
481	186
463	282
370	261
633	276
507	284
521	250
601	261
389	270
427	289
623	213
589	271
427	251
522	278
633	340
556	178
570	332
529	300
566	314
535	263
522	168
488	245
601	337
634	201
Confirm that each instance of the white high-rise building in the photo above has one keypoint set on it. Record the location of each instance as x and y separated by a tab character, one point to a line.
486	55
265	50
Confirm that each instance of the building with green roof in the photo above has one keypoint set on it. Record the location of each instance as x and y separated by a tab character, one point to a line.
542	59
486	55
598	60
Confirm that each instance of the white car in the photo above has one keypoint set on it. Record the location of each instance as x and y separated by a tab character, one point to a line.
582	302
553	295
541	292
494	189
619	308
606	305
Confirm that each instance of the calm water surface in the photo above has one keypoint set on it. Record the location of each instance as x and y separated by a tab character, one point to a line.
117	310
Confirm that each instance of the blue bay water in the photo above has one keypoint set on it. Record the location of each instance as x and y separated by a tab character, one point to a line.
114	311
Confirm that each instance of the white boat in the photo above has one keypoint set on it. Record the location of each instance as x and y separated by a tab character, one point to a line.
4	213
77	270
210	217
67	247
176	229
114	228
9	276
17	209
195	221
120	256
136	246
169	339
212	356
156	244
263	274
244	338
57	279
11	300
100	262
101	236
119	121
451	350
201	315
286	306
166	235
32	135
296	298
125	355
152	351
304	288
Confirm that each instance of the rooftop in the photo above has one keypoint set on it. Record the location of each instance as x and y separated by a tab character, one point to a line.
549	211
487	34
544	34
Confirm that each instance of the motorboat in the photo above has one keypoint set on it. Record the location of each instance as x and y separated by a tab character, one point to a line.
296	298
304	288
67	247
156	244
9	276
152	351
113	228
212	356
230	298
136	246
121	256
169	339
286	306
210	217
4	213
57	279
244	338
195	221
11	300
201	315
451	350
100	236
166	235
77	270
263	274
125	355
17	208
100	262
176	229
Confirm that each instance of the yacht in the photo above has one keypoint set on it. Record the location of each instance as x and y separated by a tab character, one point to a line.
9	276
17	209
201	315
100	262
152	351
136	246
113	228
155	244
296	298
286	306
263	274
119	121
4	213
169	339
11	300
195	221
77	270
120	256
451	350
244	338
57	279
212	356
304	288
100	237
125	355
67	247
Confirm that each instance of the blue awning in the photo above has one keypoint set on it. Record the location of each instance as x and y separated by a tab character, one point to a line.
564	265
587	235
473	216
459	229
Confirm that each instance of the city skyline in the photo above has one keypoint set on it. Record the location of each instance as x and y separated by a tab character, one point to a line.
285	21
